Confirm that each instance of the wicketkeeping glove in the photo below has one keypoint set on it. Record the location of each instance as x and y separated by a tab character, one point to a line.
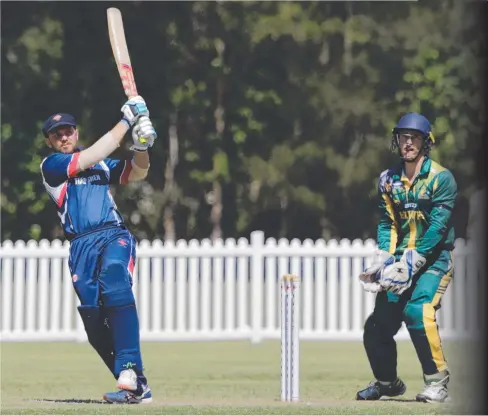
143	134
370	277
133	109
397	278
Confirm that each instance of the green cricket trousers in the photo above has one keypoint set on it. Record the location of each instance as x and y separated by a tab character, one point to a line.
416	307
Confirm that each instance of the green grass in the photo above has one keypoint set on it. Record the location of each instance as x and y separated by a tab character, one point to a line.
217	378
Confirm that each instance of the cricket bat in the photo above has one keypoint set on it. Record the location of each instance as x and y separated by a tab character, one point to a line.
121	52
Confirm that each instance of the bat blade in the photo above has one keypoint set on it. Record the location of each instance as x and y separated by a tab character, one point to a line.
121	51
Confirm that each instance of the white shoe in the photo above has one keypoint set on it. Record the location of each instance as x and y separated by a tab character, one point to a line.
127	380
435	392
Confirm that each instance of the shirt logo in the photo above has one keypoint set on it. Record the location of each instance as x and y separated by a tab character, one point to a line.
411	216
87	179
122	242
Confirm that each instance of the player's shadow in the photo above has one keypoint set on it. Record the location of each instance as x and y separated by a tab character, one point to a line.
399	400
73	401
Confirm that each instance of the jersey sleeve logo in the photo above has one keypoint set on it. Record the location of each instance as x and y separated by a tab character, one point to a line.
122	242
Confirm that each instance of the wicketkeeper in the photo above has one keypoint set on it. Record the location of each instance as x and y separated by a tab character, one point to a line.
413	265
102	250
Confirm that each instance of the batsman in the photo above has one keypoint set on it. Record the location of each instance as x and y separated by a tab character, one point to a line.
102	250
413	264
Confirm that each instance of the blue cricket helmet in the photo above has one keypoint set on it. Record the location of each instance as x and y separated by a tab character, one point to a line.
417	122
413	122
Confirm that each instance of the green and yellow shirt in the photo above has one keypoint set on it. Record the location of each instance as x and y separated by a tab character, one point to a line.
416	215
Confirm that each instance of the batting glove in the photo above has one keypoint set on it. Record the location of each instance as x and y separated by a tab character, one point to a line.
397	278
143	134
370	277
133	109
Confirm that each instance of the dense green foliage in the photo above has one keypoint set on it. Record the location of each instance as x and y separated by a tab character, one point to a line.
271	115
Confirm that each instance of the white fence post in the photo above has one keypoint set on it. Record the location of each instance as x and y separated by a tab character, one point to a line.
257	281
332	289
7	286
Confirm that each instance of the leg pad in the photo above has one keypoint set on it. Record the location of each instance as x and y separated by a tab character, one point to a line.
98	333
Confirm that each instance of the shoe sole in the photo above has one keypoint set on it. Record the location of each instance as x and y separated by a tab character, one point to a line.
384	395
423	399
143	401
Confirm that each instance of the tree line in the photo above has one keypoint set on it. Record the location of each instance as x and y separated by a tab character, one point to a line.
272	116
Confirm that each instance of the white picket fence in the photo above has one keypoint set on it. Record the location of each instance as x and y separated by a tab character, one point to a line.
225	290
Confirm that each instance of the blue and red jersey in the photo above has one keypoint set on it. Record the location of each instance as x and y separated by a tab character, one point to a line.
83	199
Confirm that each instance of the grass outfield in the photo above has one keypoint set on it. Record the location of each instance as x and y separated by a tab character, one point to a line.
217	378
